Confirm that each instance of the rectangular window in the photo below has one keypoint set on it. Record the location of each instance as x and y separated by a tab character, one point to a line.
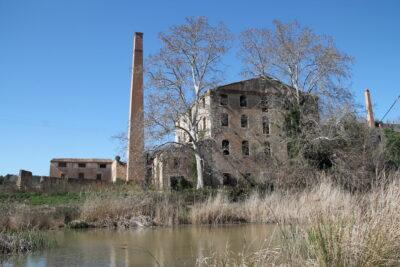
243	121
243	101
81	176
225	147
223	100
267	149
176	163
264	104
102	166
62	164
82	165
245	148
224	119
98	177
204	123
265	125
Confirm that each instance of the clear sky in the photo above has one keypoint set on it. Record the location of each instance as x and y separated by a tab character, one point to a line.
65	65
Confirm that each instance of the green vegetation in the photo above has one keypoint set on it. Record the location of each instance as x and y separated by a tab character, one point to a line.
38	198
392	148
23	242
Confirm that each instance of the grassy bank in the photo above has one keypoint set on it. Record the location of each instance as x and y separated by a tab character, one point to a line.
324	225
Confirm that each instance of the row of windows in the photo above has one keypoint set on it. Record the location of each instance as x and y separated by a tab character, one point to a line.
245	148
81	165
244	122
81	176
223	101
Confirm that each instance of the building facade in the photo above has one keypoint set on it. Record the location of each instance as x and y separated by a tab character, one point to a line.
88	169
243	128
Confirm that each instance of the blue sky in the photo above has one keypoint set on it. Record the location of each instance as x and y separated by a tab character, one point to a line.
65	65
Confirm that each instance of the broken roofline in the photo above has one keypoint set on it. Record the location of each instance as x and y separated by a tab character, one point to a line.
264	78
273	81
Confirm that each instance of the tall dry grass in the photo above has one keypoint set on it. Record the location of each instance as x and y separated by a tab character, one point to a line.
283	207
141	209
324	226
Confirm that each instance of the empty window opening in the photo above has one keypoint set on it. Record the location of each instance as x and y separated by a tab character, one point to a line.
103	166
204	123
243	121
81	176
223	100
203	102
62	164
245	148
243	101
98	177
225	147
179	183
224	119
176	163
265	125
82	165
267	149
228	180
264	104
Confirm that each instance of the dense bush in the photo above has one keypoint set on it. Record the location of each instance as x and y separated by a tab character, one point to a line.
392	147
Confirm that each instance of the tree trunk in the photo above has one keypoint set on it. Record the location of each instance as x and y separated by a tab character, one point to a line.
199	169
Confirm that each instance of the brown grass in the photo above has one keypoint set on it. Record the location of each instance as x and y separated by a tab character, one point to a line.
324	226
140	209
281	207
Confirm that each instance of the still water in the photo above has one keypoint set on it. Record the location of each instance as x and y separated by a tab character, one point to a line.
178	246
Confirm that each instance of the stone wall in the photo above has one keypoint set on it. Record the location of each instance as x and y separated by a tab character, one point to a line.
118	170
171	165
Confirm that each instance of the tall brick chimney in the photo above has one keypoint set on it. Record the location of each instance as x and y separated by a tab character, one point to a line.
368	107
135	167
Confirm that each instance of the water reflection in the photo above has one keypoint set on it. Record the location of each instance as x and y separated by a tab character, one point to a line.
179	246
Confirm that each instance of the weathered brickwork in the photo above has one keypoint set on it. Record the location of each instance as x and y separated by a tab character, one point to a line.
83	169
243	126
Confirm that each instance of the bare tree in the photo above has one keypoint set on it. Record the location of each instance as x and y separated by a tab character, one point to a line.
187	64
308	62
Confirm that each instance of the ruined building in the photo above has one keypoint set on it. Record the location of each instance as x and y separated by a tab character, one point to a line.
243	131
88	169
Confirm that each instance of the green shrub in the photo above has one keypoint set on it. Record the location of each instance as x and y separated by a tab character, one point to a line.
392	146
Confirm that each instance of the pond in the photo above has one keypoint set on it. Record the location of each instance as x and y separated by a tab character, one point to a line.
175	246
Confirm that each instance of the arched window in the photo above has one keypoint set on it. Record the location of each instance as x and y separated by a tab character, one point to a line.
223	100
224	119
225	147
243	121
243	101
265	125
245	148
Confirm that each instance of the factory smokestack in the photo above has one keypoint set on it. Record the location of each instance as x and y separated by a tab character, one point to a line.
368	107
135	154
